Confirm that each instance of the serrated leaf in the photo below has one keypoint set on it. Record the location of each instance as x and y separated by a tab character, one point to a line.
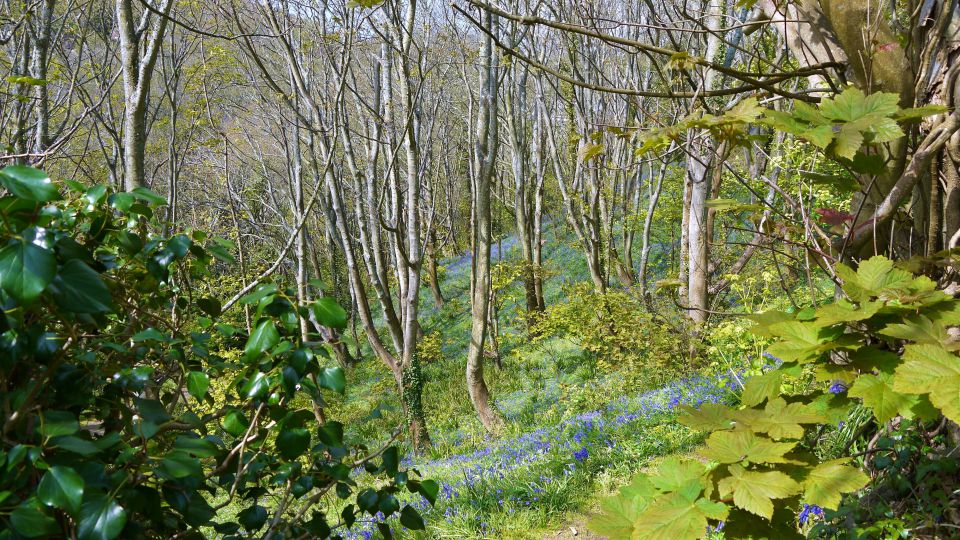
588	151
674	473
761	387
845	312
779	420
919	329
677	517
708	417
878	275
878	395
741	446
824	485
754	491
930	369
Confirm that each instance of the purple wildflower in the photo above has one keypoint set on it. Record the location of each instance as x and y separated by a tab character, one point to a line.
581	454
808	511
837	388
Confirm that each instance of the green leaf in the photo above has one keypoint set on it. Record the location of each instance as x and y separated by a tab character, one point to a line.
25	270
148	196
411	519
329	313
80	289
847	141
181	465
197	384
29	183
779	420
30	520
827	481
235	423
878	394
264	337
739	446
679	517
332	378
753	491
588	151
919	329
253	518
709	417
674	474
878	275
930	369
61	487
257	387
429	489
761	387
101	519
210	306
293	442
57	423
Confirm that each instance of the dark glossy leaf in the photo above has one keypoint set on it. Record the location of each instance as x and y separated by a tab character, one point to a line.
329	313
368	501
31	520
293	442
253	518
332	378
257	387
101	518
210	306
56	423
78	288
25	270
145	194
181	465
29	183
235	423
61	487
391	460
263	338
429	489
197	384
331	433
411	519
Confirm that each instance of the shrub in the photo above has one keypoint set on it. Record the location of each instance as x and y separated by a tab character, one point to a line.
886	351
112	427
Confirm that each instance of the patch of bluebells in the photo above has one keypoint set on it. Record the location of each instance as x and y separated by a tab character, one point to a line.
570	440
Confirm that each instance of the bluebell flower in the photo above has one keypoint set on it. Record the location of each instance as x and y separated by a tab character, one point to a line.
808	511
838	387
581	454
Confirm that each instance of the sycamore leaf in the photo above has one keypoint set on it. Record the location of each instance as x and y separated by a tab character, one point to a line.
930	369
709	417
753	491
780	420
619	513
678	516
878	276
675	474
800	341
588	151
851	283
919	329
744	446
761	387
764	321
847	141
828	480
878	394
844	312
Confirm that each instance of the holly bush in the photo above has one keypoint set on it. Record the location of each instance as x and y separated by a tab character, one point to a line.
111	427
886	350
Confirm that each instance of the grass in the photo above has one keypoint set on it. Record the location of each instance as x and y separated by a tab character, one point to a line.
570	433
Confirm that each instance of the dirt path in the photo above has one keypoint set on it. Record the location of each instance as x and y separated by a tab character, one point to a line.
575	530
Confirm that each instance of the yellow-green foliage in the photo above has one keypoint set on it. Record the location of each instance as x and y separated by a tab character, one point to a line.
615	331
